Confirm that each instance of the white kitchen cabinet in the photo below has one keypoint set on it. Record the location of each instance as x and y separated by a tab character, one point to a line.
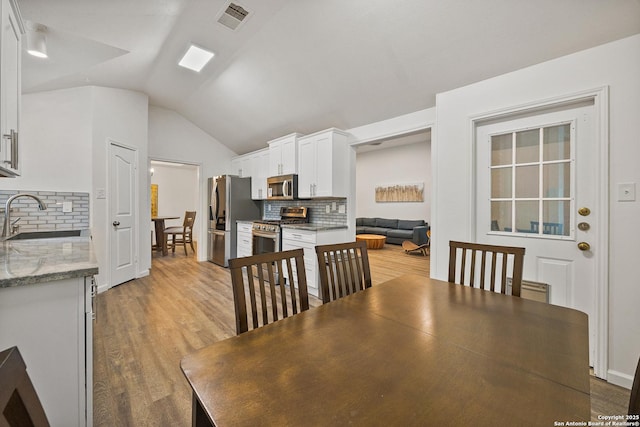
323	162
260	172
283	155
51	323
241	165
244	239
295	238
10	60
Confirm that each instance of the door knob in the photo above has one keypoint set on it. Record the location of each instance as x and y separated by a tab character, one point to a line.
584	246
116	223
584	226
584	211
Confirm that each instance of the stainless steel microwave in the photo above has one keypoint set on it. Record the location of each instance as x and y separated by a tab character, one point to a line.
283	187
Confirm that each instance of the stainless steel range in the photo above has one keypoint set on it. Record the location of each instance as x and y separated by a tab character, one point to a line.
267	233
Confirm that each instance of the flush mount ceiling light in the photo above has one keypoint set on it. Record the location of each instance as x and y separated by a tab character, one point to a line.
37	41
195	58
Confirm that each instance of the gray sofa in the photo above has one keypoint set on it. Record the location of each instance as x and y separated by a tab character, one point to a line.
396	230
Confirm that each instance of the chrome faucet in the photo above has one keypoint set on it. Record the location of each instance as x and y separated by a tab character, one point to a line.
7	209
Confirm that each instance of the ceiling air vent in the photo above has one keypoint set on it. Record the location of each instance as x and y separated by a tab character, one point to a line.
233	16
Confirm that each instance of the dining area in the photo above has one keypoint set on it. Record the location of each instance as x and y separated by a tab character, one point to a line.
167	237
411	350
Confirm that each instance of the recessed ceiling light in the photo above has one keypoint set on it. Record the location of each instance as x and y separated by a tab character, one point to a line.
195	58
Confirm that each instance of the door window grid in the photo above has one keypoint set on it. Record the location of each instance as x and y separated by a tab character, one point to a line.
532	182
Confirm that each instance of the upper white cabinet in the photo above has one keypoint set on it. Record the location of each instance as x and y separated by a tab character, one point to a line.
323	164
241	165
12	30
283	155
259	174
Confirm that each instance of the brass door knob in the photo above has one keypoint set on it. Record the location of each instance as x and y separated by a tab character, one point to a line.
583	226
584	246
584	211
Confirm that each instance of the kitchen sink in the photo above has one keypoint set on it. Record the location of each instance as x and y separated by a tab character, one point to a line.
48	234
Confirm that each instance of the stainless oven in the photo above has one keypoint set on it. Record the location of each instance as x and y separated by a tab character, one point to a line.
266	238
266	233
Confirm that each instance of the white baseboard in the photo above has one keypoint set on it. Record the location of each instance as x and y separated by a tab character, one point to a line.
620	379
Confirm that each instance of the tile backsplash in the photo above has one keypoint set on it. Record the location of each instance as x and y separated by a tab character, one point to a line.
317	210
53	218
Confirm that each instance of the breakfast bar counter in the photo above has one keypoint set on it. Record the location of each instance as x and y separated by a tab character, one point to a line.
47	310
40	260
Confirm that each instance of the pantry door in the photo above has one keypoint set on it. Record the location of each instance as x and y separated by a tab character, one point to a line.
122	207
537	187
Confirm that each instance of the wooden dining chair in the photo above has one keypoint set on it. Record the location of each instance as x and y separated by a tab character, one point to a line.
634	400
344	269
260	288
19	402
181	235
480	262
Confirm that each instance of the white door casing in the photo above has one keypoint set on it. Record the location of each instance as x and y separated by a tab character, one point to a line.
122	208
578	279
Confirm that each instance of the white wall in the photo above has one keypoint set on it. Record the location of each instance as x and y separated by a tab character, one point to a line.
55	148
173	138
121	116
616	65
177	192
404	164
64	147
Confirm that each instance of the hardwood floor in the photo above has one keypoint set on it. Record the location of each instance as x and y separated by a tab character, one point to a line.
147	325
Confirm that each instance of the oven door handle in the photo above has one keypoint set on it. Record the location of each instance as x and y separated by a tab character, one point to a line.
265	235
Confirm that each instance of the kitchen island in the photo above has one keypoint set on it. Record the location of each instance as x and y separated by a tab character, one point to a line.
46	310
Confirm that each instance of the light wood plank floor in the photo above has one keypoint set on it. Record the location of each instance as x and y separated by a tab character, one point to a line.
147	325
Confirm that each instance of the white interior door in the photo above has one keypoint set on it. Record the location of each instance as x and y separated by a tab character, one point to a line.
122	207
535	175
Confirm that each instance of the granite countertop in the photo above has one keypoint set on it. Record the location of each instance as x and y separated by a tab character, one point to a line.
314	226
25	262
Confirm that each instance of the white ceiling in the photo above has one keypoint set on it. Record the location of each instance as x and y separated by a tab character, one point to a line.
305	65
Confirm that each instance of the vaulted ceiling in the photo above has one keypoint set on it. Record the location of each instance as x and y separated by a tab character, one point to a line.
306	65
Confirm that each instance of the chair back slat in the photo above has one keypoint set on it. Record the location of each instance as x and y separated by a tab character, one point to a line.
19	402
498	256
276	284
344	269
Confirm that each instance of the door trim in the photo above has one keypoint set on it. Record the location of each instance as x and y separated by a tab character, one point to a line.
136	216
600	98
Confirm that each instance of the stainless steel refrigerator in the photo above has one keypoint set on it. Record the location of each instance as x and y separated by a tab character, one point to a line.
229	201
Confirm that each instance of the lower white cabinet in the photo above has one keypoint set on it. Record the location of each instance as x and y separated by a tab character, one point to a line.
245	240
51	323
293	238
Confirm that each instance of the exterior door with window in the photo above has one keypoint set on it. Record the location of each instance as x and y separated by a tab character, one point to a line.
536	189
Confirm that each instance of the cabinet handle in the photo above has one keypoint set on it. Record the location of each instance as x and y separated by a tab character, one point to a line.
94	295
14	149
12	136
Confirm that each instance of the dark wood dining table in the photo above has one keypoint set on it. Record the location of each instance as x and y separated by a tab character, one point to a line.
161	242
411	351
